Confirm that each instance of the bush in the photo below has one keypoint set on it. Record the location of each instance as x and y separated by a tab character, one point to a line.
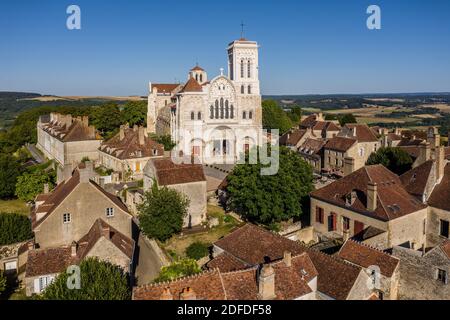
14	228
197	250
178	269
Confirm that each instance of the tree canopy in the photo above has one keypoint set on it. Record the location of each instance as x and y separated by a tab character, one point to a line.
178	269
99	280
14	228
197	250
395	159
9	172
269	199
273	117
346	118
162	212
135	113
29	185
295	115
2	282
107	118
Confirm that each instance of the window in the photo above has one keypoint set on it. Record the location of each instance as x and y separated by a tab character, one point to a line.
42	282
444	232
211	112
319	215
244	115
242	68
199	116
250	115
232	112
67	218
201	78
345	223
242	89
249	89
217	110
192	115
361	152
109	212
442	276
249	68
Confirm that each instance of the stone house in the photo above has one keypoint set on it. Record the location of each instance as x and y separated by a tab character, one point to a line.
188	179
250	246
102	242
312	152
67	139
381	266
424	276
128	152
294	138
319	128
339	155
371	197
68	212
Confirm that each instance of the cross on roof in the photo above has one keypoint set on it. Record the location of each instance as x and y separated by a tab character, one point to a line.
242	29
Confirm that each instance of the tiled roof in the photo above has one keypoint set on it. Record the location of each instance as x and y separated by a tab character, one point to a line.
326	126
169	173
365	256
292	137
415	180
361	132
393	201
226	263
56	260
77	130
394	137
166	87
192	86
311	146
445	246
130	148
441	193
340	144
309	121
406	142
241	285
413	151
197	68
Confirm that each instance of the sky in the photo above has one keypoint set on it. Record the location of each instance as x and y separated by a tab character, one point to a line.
306	47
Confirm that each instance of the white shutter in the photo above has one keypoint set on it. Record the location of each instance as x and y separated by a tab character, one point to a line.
37	288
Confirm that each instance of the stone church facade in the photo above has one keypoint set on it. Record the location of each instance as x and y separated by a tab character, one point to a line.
216	120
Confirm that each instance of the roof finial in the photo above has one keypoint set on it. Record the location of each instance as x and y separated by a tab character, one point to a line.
221	71
242	29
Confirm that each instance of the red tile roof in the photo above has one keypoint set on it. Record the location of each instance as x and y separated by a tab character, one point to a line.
415	180
197	68
413	151
169	173
192	86
292	137
441	193
226	263
393	200
340	144
77	130
445	246
360	132
166	87
365	256
312	146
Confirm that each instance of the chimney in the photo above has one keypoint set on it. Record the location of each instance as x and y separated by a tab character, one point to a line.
106	232
64	174
30	245
46	188
188	294
372	195
385	141
266	283
166	295
440	163
85	121
349	166
141	135
287	258
424	154
74	248
87	172
122	132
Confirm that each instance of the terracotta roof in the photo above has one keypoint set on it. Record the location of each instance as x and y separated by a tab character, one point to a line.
340	144
169	173
413	151
311	146
365	256
56	260
393	201
441	193
394	137
326	126
445	246
415	180
292	137
197	68
360	132
241	285
77	130
406	142
192	86
226	263
129	147
166	87
309	121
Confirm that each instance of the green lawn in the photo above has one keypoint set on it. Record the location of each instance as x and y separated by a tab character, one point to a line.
17	206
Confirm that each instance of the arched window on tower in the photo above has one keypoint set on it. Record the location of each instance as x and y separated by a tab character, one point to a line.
222	113
244	115
242	68
227	110
201	78
192	115
217	110
232	112
242	89
196	77
249	89
211	112
250	114
199	116
249	69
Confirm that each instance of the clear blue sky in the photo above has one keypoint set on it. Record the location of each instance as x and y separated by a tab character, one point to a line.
320	46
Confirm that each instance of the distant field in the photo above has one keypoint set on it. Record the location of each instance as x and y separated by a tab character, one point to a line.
442	107
369	120
77	98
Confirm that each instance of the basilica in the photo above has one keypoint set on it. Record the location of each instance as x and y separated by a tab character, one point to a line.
217	120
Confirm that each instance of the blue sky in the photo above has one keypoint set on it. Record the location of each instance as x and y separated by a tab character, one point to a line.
320	46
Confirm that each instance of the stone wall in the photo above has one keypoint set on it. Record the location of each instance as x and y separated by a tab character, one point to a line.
435	215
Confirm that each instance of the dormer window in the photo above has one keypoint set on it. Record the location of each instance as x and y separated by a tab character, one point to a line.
155	152
350	198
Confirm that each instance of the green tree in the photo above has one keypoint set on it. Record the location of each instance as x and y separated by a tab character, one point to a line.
29	185
395	159
273	117
9	172
2	282
178	269
270	198
135	113
14	228
165	140
197	250
162	213
100	280
107	118
347	118
295	114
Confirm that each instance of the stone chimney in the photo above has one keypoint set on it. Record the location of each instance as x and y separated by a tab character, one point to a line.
87	172
266	283
319	117
166	295
385	141
85	121
349	166
287	258
122	132
439	156
106	232
74	248
141	135
188	294
424	154
372	195
46	188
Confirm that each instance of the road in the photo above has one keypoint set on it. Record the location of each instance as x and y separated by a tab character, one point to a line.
35	153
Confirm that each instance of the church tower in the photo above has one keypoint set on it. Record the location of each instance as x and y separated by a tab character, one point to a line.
243	66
